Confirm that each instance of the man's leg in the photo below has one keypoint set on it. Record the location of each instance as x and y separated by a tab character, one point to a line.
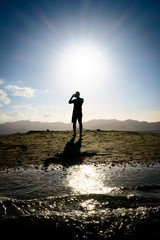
74	120
80	125
74	128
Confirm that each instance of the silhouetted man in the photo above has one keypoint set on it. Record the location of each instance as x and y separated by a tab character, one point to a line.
77	111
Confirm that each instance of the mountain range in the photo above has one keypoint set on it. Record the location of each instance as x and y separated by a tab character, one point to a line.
103	124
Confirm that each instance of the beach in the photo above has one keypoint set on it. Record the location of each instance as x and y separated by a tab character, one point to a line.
104	185
46	147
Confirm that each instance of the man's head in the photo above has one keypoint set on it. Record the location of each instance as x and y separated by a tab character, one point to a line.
77	94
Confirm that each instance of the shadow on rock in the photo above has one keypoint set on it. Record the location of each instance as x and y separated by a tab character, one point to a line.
70	156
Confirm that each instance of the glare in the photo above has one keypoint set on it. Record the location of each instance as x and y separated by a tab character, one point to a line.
89	204
83	61
86	180
82	64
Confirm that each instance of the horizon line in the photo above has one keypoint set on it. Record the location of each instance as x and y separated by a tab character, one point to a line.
98	119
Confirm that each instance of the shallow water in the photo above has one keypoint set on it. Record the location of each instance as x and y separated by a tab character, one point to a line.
137	180
85	201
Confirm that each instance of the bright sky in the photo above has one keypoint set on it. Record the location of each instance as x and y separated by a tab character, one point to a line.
108	50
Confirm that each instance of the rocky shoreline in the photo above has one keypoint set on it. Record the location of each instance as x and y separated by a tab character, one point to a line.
49	147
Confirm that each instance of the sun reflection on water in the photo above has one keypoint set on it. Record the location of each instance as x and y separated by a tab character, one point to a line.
85	179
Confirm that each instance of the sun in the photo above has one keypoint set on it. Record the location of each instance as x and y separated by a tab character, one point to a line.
82	64
82	61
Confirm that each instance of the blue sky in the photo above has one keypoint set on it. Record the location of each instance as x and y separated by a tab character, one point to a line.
108	50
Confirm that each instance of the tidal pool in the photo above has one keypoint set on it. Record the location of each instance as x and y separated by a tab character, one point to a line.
94	201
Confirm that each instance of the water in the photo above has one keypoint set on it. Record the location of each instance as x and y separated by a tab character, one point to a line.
101	201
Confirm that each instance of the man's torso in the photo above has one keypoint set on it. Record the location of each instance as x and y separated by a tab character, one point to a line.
78	105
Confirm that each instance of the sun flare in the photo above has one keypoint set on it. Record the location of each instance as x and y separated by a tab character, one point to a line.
86	180
82	64
83	61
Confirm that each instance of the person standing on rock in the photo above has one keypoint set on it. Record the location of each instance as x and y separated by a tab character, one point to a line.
77	112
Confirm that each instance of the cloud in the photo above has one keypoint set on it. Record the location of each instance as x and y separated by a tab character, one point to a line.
1	81
21	92
33	113
3	97
25	107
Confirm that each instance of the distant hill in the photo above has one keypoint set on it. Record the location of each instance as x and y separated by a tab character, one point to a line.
25	126
128	125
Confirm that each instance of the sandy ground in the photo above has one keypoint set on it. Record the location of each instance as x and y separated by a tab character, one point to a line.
45	148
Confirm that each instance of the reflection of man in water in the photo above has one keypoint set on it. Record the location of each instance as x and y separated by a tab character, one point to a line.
77	111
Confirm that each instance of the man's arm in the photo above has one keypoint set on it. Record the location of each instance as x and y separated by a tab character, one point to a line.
70	100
